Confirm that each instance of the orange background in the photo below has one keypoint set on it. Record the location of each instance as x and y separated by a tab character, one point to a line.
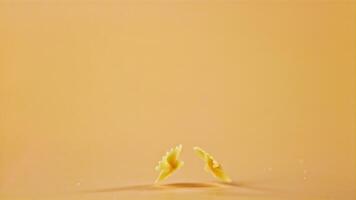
92	94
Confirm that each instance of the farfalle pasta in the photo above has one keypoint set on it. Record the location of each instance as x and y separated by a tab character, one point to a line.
211	165
169	163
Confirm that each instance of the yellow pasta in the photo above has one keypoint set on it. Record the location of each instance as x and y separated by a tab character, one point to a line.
169	163
211	165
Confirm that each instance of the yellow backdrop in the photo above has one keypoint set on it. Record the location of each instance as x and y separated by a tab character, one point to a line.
93	93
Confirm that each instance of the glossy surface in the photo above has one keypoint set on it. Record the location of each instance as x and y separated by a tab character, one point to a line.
93	92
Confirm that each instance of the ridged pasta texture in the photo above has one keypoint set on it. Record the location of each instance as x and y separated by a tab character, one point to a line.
211	165
169	163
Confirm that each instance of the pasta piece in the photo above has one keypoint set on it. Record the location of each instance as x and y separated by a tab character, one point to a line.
211	165
169	163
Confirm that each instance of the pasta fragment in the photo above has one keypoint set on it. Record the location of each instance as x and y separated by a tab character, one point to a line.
169	163
211	165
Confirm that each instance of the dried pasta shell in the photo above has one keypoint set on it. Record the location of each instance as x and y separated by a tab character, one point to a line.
211	165
169	163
